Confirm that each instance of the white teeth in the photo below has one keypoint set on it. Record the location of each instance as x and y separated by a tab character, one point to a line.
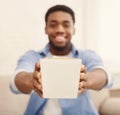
60	38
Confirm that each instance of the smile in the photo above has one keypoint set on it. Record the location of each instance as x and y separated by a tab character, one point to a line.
60	39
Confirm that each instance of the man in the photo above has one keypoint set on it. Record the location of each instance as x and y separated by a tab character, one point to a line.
59	27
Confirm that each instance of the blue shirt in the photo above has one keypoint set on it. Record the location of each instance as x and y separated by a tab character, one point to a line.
83	104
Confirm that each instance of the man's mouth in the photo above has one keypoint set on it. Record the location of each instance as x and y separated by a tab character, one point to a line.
60	39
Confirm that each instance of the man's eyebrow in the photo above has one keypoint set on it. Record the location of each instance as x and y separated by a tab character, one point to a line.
66	21
54	21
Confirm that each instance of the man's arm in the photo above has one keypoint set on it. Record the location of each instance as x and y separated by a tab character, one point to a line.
95	80
24	82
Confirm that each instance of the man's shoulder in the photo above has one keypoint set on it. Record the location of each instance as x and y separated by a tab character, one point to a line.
30	56
85	52
30	52
37	53
88	55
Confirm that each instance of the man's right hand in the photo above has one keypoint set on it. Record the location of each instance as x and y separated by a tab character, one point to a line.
37	82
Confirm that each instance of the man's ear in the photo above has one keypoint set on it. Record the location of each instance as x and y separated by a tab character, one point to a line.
45	29
74	31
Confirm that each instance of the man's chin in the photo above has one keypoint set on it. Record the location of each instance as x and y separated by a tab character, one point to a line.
60	48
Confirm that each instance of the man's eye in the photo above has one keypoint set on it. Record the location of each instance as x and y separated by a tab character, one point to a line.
66	25
52	25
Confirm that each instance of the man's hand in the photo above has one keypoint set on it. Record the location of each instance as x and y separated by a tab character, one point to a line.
37	82
83	84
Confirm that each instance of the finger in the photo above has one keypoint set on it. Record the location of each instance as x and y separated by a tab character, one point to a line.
37	66
83	77
81	91
83	68
37	76
37	85
40	93
83	84
38	88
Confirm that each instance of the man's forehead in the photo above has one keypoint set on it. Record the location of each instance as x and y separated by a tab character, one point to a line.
59	16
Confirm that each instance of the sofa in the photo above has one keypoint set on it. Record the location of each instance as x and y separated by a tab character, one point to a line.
107	102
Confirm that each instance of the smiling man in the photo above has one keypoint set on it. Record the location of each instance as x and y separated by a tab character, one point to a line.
60	20
60	28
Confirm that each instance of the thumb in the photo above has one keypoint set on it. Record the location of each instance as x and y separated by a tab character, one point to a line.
37	66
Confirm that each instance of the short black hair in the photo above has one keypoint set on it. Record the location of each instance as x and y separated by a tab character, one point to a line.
60	8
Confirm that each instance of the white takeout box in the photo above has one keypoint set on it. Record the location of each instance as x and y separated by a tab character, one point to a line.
60	77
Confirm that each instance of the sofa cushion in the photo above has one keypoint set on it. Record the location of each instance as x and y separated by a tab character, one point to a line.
111	106
98	97
11	104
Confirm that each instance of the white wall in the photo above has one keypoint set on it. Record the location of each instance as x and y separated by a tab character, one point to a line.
109	33
22	28
102	30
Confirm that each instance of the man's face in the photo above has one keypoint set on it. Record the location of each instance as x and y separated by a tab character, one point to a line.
59	29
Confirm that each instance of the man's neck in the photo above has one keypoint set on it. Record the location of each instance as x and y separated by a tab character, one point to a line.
65	51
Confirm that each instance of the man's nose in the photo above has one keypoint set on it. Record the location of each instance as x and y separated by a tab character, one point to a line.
60	29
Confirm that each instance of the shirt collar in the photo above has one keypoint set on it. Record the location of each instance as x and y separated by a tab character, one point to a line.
46	50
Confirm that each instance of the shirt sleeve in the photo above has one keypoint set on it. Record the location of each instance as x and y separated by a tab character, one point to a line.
92	61
110	78
13	87
25	63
